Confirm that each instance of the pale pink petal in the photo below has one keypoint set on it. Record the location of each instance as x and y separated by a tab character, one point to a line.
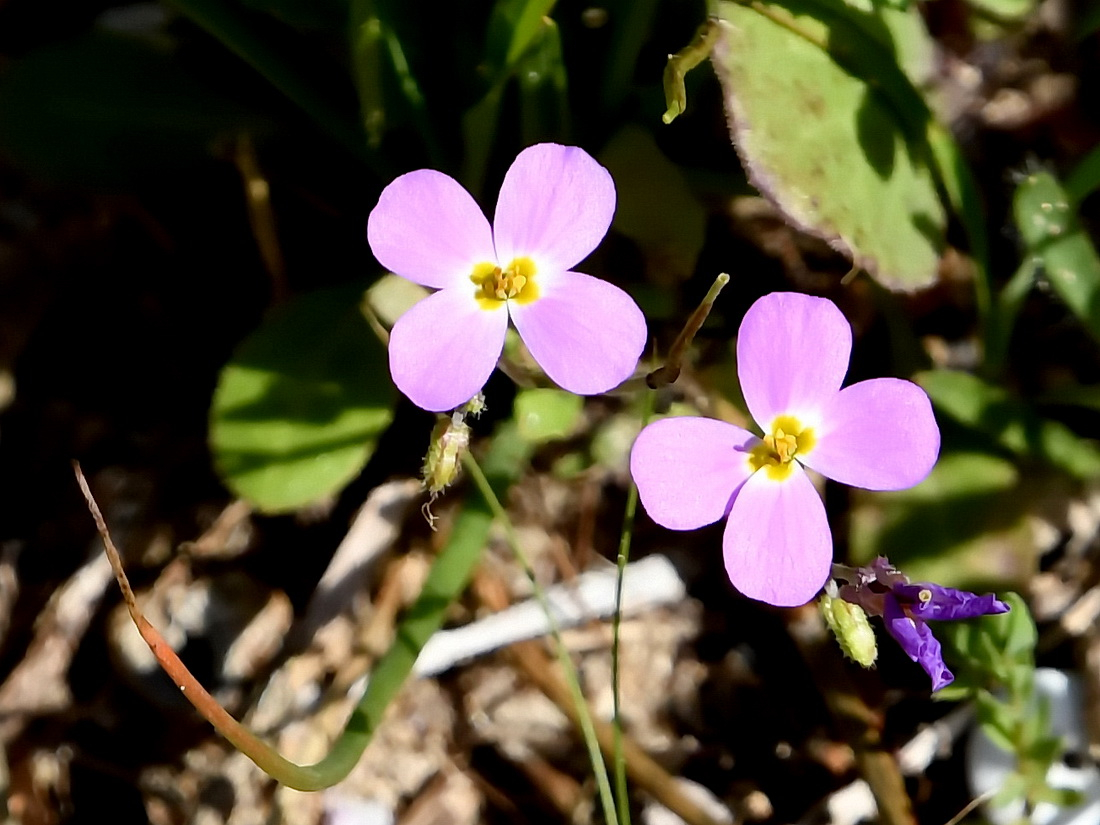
792	355
443	350
777	545
585	333
687	469
879	434
555	206
428	229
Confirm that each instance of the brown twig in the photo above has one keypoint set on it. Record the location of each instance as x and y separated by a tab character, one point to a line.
239	736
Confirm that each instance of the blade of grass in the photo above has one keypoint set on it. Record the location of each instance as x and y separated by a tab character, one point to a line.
375	46
277	62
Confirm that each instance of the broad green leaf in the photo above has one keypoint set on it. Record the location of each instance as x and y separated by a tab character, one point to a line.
1084	179
547	414
844	156
898	29
392	296
1047	220
656	208
1074	395
963	526
1011	423
109	109
1004	9
299	407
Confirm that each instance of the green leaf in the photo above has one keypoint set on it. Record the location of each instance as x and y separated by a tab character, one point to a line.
513	27
961	526
299	407
1084	179
1047	220
1017	630
832	148
656	209
993	648
1073	395
543	88
1011	423
378	54
1006	10
547	414
997	720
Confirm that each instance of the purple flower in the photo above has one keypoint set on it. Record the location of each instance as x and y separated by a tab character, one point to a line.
881	590
792	356
554	207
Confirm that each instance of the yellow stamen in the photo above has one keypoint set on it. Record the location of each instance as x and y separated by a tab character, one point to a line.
777	450
516	282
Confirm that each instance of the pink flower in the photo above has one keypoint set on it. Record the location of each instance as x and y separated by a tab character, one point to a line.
554	207
792	356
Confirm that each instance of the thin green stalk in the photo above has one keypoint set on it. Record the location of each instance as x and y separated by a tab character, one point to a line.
621	562
584	716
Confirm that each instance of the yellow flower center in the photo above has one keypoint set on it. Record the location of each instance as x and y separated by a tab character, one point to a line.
775	452
516	282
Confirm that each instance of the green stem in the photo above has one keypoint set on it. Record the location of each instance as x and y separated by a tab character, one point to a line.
584	716
623	558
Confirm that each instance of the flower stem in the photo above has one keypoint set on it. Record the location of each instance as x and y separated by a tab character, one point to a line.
621	561
584	716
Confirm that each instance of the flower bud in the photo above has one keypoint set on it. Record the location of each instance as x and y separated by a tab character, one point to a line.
851	627
450	439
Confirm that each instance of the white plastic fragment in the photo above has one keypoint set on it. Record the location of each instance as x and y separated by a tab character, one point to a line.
654	813
647	583
343	809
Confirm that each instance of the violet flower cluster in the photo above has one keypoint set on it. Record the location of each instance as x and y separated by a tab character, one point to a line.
554	207
792	356
882	590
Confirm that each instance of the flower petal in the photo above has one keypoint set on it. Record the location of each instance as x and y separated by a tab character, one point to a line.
916	639
428	229
555	206
443	350
792	356
878	434
778	547
946	603
585	333
688	468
